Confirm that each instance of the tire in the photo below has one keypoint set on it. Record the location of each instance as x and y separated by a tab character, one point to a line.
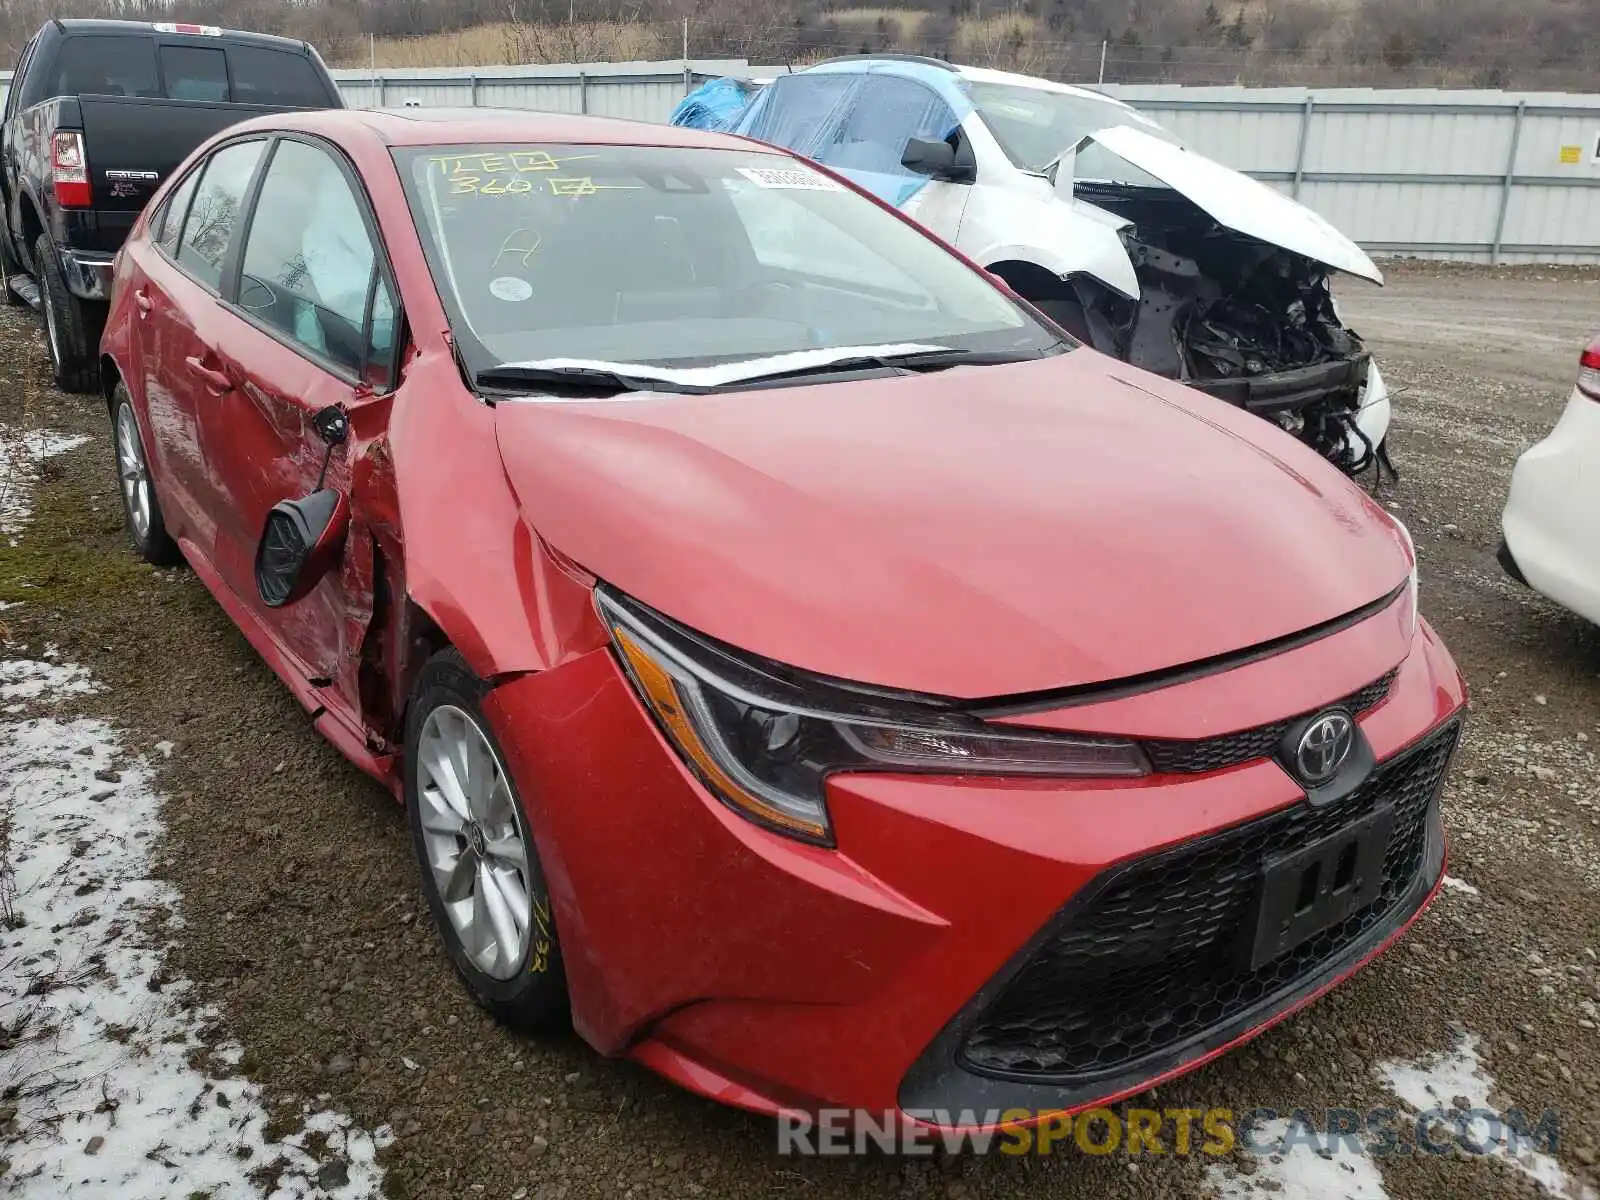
9	267
140	509
71	326
512	966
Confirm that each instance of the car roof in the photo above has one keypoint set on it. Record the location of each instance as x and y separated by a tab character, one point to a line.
447	126
943	76
76	25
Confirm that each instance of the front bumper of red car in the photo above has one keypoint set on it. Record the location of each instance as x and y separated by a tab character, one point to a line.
987	945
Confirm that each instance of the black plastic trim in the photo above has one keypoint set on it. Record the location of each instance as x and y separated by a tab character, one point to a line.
939	1080
1133	685
1508	563
924	59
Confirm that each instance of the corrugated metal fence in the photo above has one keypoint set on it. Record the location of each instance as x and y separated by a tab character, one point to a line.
1475	176
1468	175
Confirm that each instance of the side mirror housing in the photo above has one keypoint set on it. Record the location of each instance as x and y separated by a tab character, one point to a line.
949	161
302	540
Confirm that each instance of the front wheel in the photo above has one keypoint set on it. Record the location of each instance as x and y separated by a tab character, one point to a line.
480	869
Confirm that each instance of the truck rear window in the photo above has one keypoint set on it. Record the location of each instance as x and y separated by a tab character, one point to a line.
263	76
195	73
107	65
125	65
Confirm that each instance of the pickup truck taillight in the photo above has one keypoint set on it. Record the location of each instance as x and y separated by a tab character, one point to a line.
1589	370
69	168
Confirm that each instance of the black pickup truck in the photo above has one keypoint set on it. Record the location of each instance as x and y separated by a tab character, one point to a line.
99	112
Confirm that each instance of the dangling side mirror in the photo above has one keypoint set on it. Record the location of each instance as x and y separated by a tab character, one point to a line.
303	538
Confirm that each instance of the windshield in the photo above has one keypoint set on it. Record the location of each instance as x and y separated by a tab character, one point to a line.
682	258
1034	126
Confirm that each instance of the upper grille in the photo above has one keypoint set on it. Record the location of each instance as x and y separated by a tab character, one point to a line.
1161	954
1173	756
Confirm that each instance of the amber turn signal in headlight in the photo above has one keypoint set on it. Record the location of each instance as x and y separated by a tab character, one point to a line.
764	738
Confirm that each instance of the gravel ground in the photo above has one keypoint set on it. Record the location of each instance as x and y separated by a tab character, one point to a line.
305	927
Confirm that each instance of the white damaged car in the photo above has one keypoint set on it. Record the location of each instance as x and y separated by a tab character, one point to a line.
1092	211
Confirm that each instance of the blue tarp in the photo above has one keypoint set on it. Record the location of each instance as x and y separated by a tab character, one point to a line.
716	105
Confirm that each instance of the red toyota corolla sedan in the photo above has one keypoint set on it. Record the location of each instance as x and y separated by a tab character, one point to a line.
799	661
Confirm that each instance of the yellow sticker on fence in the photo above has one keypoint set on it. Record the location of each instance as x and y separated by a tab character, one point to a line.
1572	154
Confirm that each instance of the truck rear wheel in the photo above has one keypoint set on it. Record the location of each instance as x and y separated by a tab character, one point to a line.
71	327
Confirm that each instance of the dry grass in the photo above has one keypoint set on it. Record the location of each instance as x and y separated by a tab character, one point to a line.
909	20
504	44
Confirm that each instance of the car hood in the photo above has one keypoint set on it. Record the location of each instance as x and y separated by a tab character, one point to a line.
979	532
1236	201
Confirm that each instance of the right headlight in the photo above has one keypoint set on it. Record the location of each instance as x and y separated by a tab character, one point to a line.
764	738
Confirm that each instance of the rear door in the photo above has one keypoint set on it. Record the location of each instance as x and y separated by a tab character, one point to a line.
313	323
182	319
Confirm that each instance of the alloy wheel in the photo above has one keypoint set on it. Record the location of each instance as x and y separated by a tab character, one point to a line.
132	472
52	327
474	841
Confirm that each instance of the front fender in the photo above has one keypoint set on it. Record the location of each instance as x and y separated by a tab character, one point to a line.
471	561
1065	238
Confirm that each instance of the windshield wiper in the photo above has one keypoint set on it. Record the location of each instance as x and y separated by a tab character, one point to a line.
900	364
581	380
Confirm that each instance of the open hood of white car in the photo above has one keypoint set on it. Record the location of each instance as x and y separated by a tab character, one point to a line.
1233	199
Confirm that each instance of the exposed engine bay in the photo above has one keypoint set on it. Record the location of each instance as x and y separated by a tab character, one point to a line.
1242	320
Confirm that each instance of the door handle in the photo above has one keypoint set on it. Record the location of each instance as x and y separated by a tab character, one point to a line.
217	381
142	299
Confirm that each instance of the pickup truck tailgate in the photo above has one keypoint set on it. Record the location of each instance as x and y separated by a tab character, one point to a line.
133	143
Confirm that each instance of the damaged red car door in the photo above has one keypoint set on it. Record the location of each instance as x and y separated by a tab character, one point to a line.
313	327
181	323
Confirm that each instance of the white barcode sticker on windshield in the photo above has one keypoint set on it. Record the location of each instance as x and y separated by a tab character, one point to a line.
793	179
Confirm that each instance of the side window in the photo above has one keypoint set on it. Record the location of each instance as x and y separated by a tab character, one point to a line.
215	211
309	261
167	224
106	65
263	76
887	111
195	73
799	112
382	331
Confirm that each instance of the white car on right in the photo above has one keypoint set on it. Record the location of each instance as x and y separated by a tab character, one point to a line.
1551	522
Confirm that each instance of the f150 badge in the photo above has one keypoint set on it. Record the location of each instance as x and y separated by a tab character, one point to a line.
126	183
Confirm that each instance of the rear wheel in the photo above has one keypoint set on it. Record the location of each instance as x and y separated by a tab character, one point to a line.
480	869
140	508
71	326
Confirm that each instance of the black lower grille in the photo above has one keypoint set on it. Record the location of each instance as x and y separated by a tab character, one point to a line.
1174	756
1160	952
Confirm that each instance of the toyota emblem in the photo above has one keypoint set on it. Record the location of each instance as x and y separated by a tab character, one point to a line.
1324	746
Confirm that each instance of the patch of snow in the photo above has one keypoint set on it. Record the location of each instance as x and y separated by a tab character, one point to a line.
1298	1172
1436	1082
164	749
123	1085
25	679
20	456
1453	884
